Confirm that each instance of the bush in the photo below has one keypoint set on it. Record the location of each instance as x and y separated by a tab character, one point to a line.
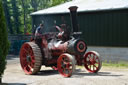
4	44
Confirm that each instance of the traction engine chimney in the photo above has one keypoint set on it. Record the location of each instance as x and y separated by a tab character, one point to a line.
73	15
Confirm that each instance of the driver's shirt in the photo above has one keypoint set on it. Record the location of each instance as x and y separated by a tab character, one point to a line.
38	31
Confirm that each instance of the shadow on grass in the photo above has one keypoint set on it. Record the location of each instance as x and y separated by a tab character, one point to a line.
78	73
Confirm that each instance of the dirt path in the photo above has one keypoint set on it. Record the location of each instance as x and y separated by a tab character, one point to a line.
107	76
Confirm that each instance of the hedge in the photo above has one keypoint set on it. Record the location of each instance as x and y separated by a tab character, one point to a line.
4	44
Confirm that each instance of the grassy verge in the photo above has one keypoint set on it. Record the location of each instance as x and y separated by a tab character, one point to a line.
116	65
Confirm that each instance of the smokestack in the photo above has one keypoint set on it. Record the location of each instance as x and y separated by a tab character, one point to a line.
73	15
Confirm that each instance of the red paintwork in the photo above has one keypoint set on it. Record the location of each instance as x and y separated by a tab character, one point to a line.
44	42
56	51
64	61
55	68
27	66
50	62
81	42
92	62
61	49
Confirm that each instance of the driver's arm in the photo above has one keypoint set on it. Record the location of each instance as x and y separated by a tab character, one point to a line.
58	28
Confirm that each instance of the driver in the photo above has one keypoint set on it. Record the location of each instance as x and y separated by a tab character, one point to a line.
38	33
63	32
39	29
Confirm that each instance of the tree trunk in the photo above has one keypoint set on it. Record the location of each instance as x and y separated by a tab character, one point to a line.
0	80
34	5
25	27
15	14
8	16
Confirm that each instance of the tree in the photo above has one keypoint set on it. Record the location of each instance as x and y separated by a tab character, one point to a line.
8	16
24	13
15	14
4	44
34	4
56	2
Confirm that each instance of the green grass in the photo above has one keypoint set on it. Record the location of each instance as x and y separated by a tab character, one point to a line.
120	64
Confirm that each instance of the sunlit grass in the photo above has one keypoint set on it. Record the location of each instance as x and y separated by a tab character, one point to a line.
118	65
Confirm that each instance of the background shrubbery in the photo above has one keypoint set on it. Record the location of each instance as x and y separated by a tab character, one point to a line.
17	13
4	44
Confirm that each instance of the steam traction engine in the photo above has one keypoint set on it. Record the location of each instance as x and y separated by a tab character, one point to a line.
62	51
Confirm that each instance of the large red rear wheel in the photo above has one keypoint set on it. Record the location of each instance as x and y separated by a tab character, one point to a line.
66	64
92	61
30	58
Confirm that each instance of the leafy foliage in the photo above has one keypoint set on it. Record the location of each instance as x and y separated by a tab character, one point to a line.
56	2
17	13
4	44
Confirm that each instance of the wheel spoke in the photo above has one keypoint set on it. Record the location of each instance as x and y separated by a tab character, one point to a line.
90	59
90	66
88	63
97	57
68	65
89	56
65	62
24	57
64	70
25	64
30	64
27	68
68	71
95	66
26	51
97	63
31	53
94	58
32	60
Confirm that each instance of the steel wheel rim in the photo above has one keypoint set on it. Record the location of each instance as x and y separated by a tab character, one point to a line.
65	66
92	62
27	58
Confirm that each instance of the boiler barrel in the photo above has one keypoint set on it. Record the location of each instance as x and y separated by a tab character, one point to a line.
77	46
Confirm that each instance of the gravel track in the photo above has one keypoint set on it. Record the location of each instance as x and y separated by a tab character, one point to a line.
107	76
